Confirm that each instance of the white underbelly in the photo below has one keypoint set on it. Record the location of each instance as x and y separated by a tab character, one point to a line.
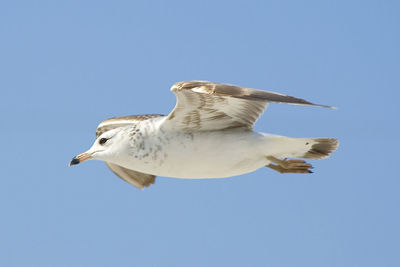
203	155
201	165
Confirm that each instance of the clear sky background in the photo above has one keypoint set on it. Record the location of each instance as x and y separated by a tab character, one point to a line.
67	65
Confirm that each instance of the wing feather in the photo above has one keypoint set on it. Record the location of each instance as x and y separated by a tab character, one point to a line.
203	105
116	122
138	179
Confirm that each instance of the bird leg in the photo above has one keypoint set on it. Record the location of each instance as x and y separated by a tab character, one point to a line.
289	166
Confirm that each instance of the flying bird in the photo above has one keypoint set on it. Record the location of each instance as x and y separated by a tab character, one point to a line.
209	134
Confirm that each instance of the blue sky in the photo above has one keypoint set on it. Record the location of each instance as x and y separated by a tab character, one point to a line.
67	65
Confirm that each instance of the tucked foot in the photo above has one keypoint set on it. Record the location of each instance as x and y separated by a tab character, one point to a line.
289	166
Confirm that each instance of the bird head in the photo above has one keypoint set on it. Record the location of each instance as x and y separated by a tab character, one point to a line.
105	148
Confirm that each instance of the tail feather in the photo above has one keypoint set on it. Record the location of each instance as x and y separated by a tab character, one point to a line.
307	148
321	148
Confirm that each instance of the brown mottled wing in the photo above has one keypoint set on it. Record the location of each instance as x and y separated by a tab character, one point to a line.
138	179
203	105
116	122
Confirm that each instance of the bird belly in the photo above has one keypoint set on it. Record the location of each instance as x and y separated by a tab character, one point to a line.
200	155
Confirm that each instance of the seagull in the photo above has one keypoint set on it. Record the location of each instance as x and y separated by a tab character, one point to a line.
209	134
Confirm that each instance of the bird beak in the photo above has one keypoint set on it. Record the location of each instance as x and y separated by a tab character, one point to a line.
80	158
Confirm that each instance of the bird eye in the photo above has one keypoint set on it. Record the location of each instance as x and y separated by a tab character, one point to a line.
102	141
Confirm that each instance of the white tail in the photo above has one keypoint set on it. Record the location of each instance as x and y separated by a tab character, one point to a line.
308	148
321	148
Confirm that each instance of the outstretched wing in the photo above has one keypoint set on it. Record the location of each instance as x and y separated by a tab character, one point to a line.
203	105
138	179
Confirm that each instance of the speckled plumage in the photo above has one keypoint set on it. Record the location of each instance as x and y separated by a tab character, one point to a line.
209	134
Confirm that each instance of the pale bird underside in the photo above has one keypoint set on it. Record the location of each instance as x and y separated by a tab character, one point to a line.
204	106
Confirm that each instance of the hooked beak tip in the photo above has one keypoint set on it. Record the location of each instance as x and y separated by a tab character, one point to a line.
74	161
80	158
